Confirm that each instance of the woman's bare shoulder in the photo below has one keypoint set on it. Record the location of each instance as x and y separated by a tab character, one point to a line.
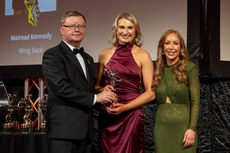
137	51
107	51
106	54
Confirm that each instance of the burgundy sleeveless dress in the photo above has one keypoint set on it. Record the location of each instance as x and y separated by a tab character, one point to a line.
123	133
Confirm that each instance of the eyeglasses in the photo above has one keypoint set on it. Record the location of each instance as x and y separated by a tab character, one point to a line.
80	27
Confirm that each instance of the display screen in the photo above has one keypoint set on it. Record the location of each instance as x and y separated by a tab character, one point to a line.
30	27
224	30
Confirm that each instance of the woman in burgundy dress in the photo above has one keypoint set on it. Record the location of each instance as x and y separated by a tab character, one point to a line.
122	69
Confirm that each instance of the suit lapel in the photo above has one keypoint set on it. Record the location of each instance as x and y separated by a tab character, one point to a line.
88	65
73	59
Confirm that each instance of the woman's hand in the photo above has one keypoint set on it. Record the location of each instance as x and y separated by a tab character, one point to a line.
189	138
106	88
109	88
117	109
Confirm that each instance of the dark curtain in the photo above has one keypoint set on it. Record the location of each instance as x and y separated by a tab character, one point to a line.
203	40
203	44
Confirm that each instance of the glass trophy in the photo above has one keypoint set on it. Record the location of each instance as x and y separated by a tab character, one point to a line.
112	75
4	98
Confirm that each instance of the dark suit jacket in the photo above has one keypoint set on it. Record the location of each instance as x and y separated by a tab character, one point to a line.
70	94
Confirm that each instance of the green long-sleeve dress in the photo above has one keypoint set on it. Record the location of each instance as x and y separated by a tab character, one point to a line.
173	119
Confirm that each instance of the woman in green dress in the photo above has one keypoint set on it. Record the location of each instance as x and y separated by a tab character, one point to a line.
177	88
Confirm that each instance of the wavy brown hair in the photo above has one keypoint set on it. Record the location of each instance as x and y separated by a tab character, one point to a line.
179	68
137	39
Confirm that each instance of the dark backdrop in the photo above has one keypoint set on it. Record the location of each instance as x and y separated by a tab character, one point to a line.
203	43
213	125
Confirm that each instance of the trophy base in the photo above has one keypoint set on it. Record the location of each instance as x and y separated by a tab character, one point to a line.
8	127
43	127
26	128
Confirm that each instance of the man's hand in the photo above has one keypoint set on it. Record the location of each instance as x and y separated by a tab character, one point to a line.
106	97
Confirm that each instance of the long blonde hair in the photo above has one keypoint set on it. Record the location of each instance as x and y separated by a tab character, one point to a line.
137	39
179	68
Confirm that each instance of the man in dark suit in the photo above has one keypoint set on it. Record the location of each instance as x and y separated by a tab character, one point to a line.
70	82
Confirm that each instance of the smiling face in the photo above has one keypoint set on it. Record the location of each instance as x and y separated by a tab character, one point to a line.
171	48
125	31
71	35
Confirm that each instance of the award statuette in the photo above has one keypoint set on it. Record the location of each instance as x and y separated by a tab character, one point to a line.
112	76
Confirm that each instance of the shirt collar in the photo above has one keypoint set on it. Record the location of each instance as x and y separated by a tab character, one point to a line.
70	46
